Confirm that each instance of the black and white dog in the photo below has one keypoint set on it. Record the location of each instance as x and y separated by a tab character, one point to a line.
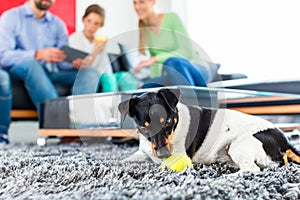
206	135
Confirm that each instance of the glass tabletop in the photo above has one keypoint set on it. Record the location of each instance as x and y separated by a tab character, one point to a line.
100	110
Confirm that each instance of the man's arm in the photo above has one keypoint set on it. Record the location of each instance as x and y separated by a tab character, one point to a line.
9	55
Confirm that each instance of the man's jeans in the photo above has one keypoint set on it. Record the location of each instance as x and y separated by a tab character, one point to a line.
5	101
39	82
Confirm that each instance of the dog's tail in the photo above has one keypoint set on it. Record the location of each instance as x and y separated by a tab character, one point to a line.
291	154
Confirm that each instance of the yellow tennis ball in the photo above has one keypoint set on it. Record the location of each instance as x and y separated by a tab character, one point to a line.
101	38
177	162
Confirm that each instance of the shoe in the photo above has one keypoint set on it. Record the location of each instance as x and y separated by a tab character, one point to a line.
4	138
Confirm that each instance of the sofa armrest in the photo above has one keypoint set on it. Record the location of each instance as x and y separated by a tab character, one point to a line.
226	77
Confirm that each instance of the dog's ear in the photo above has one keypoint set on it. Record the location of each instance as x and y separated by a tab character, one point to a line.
171	97
125	107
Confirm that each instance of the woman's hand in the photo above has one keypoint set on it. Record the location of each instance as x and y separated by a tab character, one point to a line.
77	63
80	63
99	48
145	63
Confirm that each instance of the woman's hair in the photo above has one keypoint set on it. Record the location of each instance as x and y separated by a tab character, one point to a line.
143	37
95	8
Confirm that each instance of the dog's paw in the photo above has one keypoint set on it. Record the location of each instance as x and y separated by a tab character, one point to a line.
137	156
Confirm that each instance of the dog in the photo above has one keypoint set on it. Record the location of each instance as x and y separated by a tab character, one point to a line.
206	135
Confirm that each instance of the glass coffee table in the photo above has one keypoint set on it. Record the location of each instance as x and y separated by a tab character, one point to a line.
97	115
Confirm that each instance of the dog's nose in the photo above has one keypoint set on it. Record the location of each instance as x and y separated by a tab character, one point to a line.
163	152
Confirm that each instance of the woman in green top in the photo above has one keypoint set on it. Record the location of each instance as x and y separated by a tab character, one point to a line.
169	45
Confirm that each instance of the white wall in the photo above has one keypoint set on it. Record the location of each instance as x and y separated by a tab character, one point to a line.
260	38
120	15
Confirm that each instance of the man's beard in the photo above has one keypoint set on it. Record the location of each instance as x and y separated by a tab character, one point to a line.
41	6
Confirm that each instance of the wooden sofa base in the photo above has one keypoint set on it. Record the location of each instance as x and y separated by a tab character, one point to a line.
24	114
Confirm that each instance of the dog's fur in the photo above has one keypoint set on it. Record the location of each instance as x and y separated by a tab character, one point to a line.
206	135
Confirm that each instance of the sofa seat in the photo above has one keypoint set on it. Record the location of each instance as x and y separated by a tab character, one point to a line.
22	106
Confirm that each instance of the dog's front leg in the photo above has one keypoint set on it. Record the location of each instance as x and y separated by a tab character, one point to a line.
144	153
137	156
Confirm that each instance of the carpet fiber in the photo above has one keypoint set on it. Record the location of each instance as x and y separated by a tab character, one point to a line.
95	171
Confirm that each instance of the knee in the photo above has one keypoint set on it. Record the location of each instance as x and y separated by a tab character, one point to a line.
30	66
30	63
175	62
4	78
107	78
5	84
108	83
90	73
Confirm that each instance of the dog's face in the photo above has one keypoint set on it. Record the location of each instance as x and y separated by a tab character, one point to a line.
156	117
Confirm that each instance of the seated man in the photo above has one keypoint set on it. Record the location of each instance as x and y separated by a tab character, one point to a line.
30	38
5	106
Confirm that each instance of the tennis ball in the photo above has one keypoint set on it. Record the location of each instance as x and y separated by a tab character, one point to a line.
101	38
177	162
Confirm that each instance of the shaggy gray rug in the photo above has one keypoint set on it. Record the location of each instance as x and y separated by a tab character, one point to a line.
95	171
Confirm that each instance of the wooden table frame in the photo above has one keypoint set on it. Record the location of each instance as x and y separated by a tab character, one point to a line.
268	105
88	132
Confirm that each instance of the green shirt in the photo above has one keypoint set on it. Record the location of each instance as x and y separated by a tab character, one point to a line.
171	40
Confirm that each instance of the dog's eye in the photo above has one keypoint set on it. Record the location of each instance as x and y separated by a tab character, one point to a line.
161	120
168	122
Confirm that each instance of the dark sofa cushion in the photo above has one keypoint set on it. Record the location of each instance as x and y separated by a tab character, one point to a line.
119	62
21	99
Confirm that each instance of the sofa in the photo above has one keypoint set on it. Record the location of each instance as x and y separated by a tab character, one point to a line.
23	108
290	86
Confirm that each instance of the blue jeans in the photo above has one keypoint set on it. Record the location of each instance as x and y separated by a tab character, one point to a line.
5	102
179	71
39	82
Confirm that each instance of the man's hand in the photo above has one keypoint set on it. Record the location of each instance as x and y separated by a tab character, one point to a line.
50	54
145	63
